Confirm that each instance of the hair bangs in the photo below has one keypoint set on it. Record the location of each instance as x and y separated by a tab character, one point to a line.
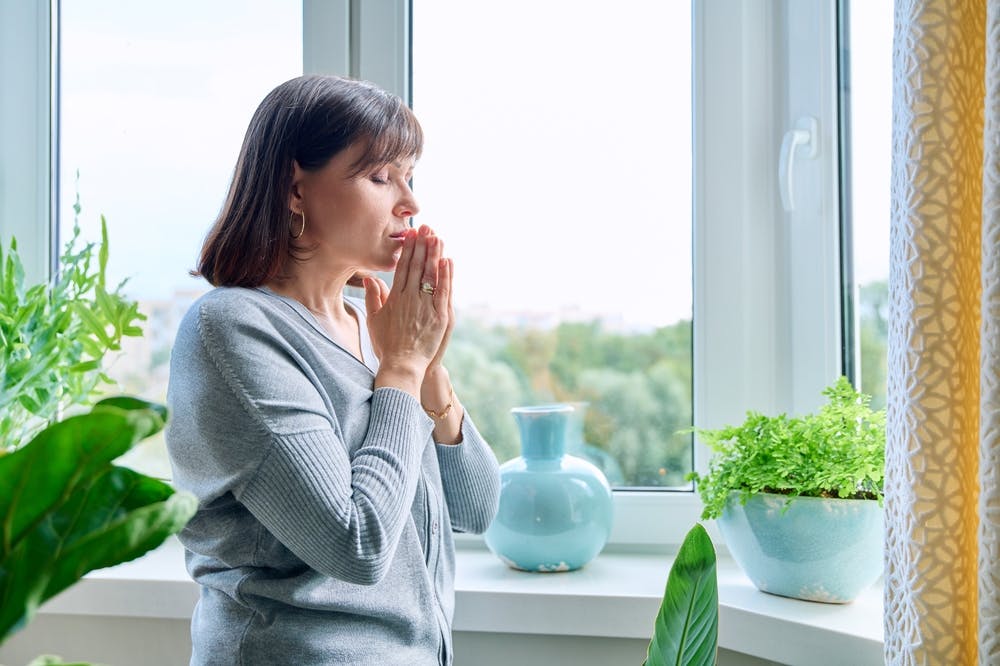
390	138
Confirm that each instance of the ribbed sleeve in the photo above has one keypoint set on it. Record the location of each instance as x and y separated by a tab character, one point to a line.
471	479
343	517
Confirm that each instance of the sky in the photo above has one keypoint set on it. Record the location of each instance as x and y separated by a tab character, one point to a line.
156	98
871	127
556	169
559	171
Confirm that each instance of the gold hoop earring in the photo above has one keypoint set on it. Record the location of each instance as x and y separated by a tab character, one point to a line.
302	229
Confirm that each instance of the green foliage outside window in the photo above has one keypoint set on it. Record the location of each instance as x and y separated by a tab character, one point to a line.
638	385
874	315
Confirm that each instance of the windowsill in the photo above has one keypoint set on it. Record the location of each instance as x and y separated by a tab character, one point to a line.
616	595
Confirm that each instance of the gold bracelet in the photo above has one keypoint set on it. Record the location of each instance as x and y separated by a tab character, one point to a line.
444	412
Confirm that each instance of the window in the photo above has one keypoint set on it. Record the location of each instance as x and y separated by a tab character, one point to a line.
767	285
869	26
559	175
155	99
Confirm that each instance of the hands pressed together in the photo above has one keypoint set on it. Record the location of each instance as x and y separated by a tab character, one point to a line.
410	326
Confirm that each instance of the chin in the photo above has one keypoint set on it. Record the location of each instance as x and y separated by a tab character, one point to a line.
389	264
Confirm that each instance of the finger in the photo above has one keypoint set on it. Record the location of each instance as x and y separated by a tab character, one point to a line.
383	290
416	267
373	300
445	292
451	290
405	259
434	251
442	293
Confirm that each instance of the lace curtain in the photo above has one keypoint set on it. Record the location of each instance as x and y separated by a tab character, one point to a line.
942	580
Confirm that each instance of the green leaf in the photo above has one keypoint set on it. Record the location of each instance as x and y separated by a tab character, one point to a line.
42	474
85	366
149	512
13	278
102	257
94	325
131	402
29	403
69	510
686	631
91	347
106	303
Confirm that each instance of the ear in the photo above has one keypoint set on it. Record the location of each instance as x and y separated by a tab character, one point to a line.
295	197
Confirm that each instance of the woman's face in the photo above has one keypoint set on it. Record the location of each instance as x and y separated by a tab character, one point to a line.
356	222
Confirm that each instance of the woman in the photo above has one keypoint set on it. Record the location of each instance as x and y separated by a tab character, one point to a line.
329	453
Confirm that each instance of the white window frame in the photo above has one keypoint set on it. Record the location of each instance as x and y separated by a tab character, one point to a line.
767	284
28	132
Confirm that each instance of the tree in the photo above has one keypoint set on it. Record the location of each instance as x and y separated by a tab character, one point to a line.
873	309
638	386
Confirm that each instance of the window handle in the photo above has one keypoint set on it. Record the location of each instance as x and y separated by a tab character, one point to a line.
805	134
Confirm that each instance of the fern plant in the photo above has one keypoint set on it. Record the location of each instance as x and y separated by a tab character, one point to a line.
837	452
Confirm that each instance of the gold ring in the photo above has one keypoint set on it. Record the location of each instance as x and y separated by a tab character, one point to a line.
427	288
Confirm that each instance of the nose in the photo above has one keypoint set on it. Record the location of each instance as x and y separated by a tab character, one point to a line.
407	204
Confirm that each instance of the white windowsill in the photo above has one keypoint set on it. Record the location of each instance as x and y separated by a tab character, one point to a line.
616	595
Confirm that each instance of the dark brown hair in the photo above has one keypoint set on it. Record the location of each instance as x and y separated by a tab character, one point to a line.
307	120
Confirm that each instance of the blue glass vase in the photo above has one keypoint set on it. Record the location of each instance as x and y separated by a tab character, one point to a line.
555	509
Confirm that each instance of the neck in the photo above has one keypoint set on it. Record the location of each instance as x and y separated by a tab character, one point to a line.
321	292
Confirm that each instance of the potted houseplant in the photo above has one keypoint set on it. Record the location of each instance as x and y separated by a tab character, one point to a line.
799	499
65	508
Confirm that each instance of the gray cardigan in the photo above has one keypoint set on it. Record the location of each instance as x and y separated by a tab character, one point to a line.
324	528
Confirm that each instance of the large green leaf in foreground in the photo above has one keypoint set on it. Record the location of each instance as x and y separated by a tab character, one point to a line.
65	509
686	632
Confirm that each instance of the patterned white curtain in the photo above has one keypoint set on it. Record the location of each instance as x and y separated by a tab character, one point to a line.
942	583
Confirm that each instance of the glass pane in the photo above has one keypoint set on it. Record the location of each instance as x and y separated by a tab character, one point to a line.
870	25
155	98
557	169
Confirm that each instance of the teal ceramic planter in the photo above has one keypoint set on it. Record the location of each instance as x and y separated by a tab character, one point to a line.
555	509
819	549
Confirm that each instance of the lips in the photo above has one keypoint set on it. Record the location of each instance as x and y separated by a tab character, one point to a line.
399	235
